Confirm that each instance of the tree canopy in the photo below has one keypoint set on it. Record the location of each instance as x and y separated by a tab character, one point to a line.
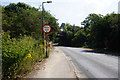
22	19
98	31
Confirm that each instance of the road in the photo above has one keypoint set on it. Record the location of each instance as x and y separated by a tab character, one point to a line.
92	64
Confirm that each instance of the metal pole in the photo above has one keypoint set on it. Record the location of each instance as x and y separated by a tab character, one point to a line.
46	46
42	26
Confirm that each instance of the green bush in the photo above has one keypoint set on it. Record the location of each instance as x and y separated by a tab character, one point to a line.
19	55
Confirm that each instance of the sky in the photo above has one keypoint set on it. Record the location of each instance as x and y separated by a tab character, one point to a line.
72	11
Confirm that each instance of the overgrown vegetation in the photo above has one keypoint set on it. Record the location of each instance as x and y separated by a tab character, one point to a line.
22	38
98	32
19	55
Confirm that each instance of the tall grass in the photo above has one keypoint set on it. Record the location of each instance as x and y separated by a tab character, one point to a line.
19	55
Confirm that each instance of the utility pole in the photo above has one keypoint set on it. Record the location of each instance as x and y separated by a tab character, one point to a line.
42	26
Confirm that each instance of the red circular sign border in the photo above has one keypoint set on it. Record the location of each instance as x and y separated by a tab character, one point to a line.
46	25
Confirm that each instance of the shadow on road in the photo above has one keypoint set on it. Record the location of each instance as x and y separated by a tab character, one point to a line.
93	51
101	52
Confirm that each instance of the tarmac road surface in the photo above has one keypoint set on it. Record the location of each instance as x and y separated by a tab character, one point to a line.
92	64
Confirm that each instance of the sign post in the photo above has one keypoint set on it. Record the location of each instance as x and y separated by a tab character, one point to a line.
46	29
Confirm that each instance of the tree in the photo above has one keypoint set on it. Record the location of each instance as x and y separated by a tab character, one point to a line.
79	39
22	19
102	32
68	34
112	42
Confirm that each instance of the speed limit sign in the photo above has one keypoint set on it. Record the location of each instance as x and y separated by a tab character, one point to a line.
46	28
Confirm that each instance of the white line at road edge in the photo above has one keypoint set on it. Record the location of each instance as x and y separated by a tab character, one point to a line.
71	65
